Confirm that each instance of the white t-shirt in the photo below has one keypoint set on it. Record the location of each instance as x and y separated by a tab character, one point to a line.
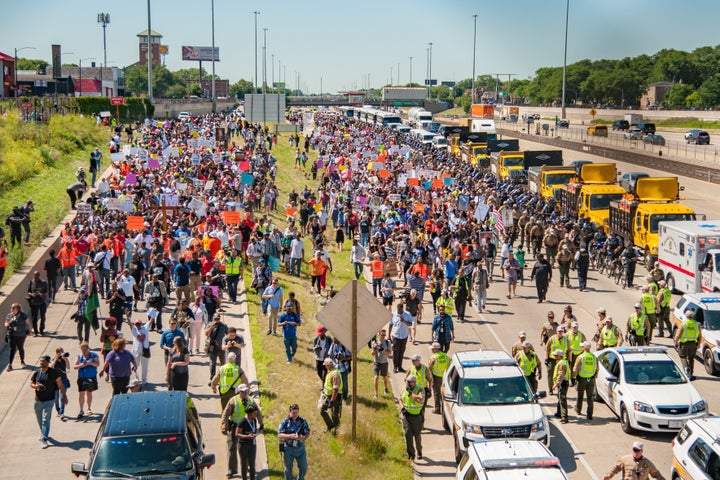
126	284
296	248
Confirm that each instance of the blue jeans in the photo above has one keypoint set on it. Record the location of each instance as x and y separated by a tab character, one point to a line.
358	270
344	392
364	239
59	404
295	453
43	412
232	286
290	347
377	282
69	276
295	264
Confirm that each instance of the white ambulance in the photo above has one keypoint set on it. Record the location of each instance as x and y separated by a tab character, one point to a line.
689	255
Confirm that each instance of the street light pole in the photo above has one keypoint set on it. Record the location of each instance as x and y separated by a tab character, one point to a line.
214	59
264	84
103	18
430	70
272	70
149	57
410	71
256	13
564	79
472	83
16	67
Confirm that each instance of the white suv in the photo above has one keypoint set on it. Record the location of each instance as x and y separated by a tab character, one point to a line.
707	313
486	396
695	449
507	459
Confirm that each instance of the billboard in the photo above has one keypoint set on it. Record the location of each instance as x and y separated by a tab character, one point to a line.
400	94
200	54
265	108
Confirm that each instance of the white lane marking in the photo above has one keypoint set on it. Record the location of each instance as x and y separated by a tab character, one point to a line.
579	456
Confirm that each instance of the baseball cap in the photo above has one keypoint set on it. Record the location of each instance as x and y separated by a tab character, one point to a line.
231	356
558	352
262	260
46	358
83	289
242	388
574	325
551	314
527	344
435	346
600	310
410	378
638	446
416	357
320	330
138	320
561	328
328	361
522	334
608	319
585	344
637	305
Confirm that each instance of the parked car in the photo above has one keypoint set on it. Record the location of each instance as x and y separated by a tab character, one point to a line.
695	450
629	179
508	459
182	116
654	139
563	124
646	127
707	313
698	137
620	125
633	133
647	389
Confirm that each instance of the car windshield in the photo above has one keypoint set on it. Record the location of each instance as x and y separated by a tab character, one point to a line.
601	201
495	391
711	319
661	372
513	161
669	217
142	455
559	178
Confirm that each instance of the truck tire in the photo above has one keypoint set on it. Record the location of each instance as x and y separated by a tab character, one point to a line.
709	362
649	259
670	280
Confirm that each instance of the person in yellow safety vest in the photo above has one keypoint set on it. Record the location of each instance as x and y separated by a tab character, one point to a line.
233	267
664	297
423	375
232	415
576	338
331	398
649	308
638	327
584	371
437	365
560	376
412	403
557	342
226	378
610	335
446	301
687	338
529	364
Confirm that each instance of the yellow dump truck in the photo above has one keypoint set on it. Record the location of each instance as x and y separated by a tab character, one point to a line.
590	195
546	179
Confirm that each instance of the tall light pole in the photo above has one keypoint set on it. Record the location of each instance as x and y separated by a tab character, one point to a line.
103	18
472	83
564	82
430	69
256	13
410	70
149	57
214	59
81	60
272	70
16	67
264	84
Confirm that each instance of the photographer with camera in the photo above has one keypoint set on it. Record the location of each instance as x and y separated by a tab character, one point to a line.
37	297
233	343
17	327
214	334
61	363
381	350
46	381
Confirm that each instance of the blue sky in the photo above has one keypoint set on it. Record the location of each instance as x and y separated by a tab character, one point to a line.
346	42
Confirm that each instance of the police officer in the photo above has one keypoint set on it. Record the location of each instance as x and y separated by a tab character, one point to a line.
560	377
231	417
411	405
635	466
557	342
331	396
610	335
518	346
649	309
438	363
582	260
227	377
638	327
664	297
584	371
529	364
422	374
233	266
687	338
576	339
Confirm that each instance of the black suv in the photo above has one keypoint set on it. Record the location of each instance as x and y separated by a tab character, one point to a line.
620	125
698	137
148	435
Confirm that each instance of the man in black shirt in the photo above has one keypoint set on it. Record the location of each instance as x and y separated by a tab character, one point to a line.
542	274
46	382
53	270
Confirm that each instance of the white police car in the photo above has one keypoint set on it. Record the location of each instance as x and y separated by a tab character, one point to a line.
509	459
486	396
647	389
707	313
696	450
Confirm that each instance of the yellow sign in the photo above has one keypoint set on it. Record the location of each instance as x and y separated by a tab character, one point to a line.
593	112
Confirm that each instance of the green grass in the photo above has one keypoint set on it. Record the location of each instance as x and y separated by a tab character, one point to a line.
688	122
37	162
379	446
459	111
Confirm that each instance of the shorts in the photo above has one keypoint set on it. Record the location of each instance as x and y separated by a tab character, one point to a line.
380	369
511	281
414	321
387	301
80	384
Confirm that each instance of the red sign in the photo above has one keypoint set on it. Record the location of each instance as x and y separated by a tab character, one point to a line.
26	105
117	100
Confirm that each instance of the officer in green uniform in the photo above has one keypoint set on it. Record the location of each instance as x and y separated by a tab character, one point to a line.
610	335
560	382
584	371
664	297
227	378
528	362
649	308
231	417
411	405
638	327
576	339
438	363
331	399
233	266
687	338
557	342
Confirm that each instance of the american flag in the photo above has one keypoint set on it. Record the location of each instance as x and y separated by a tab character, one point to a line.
497	220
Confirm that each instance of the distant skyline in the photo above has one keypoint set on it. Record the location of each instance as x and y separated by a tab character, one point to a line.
353	45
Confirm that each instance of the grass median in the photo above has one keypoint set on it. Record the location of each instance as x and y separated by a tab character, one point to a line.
379	447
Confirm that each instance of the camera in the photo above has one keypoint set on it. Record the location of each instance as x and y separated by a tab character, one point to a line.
66	354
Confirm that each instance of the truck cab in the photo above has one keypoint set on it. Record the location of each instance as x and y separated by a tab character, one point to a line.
507	161
546	180
475	153
591	197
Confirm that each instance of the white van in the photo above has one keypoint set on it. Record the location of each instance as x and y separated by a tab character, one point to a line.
486	125
439	141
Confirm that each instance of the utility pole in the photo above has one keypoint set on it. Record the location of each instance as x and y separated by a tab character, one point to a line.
410	70
256	74
272	63
497	81
430	69
564	80
103	18
149	57
264	85
472	83
214	59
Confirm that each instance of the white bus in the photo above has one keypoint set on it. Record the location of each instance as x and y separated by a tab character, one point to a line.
346	111
387	119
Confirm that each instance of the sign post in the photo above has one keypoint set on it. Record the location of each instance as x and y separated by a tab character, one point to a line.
117	101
